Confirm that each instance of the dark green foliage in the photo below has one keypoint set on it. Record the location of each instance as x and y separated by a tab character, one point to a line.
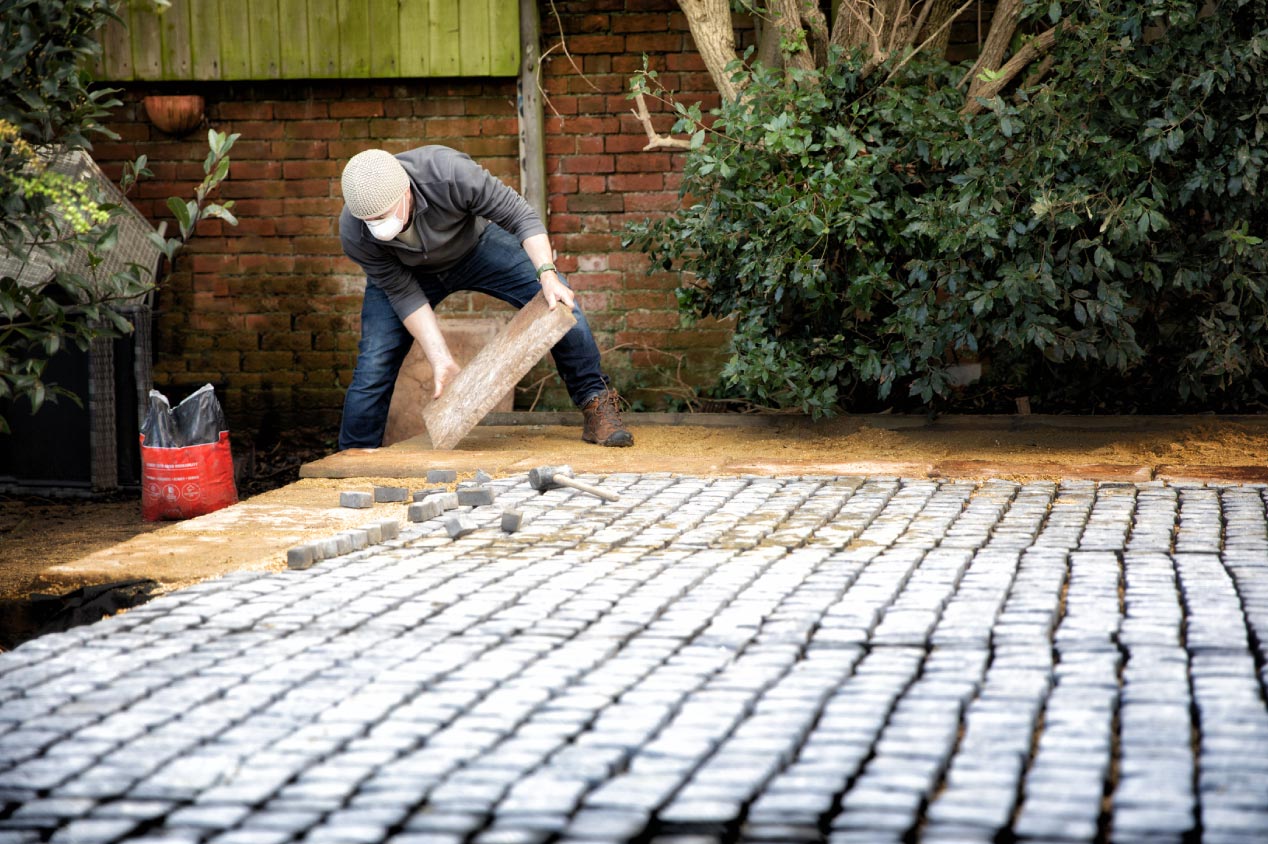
1097	239
47	105
45	48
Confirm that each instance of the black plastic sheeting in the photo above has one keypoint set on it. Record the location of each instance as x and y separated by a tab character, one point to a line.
38	615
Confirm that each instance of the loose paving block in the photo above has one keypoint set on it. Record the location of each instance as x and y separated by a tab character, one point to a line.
442	476
476	496
420	494
459	526
421	511
390	494
512	520
448	501
482	477
498	368
356	500
301	556
390	528
373	532
358	538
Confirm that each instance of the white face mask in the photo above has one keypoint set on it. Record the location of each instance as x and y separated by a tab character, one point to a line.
387	227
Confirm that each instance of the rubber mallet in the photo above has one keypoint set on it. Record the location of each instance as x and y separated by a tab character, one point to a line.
545	478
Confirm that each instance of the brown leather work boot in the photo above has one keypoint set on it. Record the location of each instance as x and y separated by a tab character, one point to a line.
603	423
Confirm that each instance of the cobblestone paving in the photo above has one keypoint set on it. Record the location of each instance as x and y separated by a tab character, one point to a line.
751	659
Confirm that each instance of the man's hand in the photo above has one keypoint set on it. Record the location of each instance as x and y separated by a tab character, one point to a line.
556	290
423	326
443	375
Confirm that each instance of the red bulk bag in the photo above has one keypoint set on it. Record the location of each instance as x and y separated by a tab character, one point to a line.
186	461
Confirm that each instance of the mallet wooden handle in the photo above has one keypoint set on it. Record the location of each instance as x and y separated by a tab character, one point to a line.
606	495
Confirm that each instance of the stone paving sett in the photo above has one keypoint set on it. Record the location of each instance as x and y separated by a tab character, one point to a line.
708	659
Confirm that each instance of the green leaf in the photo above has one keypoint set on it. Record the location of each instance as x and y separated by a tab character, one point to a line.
222	213
109	239
222	170
181	211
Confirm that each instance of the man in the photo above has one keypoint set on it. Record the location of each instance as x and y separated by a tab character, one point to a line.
428	222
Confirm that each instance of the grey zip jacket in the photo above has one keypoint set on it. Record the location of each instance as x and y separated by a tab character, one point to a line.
454	199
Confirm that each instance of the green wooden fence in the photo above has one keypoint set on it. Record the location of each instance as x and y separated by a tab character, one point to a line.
311	39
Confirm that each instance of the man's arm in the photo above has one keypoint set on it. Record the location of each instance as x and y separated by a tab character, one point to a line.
406	296
424	327
539	252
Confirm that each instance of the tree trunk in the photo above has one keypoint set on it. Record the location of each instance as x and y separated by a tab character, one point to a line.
853	19
786	21
767	44
710	23
817	26
939	12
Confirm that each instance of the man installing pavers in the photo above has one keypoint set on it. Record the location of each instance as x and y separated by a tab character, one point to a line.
429	222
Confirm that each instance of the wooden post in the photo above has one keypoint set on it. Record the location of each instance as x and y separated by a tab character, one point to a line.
532	132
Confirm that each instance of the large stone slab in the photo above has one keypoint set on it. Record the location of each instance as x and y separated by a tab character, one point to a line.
414	385
1039	469
497	368
1200	473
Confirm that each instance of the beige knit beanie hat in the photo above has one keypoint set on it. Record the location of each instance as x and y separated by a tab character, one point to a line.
373	182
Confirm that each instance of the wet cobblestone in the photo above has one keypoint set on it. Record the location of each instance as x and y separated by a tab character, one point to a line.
707	660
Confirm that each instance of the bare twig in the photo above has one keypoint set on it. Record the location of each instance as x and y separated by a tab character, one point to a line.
541	61
563	43
1041	70
654	140
932	37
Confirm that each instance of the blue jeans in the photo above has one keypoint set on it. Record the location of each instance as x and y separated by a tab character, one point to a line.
497	266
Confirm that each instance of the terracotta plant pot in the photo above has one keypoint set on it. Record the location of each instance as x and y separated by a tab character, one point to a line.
175	114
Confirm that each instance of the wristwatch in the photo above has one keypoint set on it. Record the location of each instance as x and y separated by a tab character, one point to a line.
545	268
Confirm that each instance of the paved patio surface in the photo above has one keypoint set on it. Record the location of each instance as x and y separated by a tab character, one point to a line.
715	659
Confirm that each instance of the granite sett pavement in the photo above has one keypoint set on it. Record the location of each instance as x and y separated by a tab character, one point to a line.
710	659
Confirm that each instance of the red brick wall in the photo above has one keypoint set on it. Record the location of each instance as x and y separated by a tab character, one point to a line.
269	311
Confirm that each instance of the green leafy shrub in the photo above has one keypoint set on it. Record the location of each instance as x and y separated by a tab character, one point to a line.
1097	238
47	107
61	225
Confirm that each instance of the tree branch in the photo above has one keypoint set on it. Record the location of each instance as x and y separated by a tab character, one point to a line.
933	36
1041	70
654	140
1035	48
